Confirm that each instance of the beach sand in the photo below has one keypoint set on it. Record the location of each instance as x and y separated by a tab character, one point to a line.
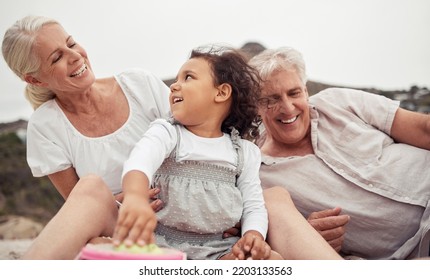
16	235
13	249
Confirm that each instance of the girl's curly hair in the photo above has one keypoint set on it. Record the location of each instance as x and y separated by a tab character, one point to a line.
230	66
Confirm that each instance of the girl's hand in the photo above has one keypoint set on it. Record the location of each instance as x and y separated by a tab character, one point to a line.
251	247
136	222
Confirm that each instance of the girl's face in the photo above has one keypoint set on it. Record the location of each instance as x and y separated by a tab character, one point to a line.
64	63
193	93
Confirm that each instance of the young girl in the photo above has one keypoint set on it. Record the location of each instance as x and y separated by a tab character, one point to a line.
207	174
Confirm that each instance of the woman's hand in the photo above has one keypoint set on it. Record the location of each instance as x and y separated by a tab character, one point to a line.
251	247
156	203
330	225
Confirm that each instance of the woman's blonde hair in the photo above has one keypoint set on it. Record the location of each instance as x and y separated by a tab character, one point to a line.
17	48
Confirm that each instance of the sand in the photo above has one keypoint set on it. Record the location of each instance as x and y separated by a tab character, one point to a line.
13	249
16	235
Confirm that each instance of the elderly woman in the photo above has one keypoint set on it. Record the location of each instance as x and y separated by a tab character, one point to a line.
81	126
84	128
349	149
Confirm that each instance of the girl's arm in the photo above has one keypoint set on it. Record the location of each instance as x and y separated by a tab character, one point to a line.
254	215
136	220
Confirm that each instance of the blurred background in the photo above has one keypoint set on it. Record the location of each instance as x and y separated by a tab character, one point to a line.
381	46
368	43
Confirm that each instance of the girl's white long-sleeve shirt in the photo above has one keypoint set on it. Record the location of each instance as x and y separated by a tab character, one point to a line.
160	140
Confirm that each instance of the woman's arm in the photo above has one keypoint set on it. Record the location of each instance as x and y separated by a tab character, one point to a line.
64	181
411	128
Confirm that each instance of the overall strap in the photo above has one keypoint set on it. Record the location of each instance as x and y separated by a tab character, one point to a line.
235	139
175	152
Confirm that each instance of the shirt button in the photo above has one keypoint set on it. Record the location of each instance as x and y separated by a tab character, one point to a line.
370	185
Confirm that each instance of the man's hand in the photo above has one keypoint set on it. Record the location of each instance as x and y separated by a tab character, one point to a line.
330	225
234	231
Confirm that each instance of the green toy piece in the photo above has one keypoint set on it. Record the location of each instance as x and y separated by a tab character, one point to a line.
137	249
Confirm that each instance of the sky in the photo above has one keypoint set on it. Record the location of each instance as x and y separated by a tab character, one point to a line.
383	44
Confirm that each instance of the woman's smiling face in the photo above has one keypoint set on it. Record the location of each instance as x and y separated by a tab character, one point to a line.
64	63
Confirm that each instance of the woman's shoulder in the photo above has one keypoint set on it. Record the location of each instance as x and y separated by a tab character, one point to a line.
48	121
141	82
45	115
136	75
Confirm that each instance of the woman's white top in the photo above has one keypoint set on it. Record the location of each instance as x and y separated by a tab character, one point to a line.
54	144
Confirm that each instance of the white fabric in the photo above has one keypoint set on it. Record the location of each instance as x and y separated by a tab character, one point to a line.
53	144
381	184
160	140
